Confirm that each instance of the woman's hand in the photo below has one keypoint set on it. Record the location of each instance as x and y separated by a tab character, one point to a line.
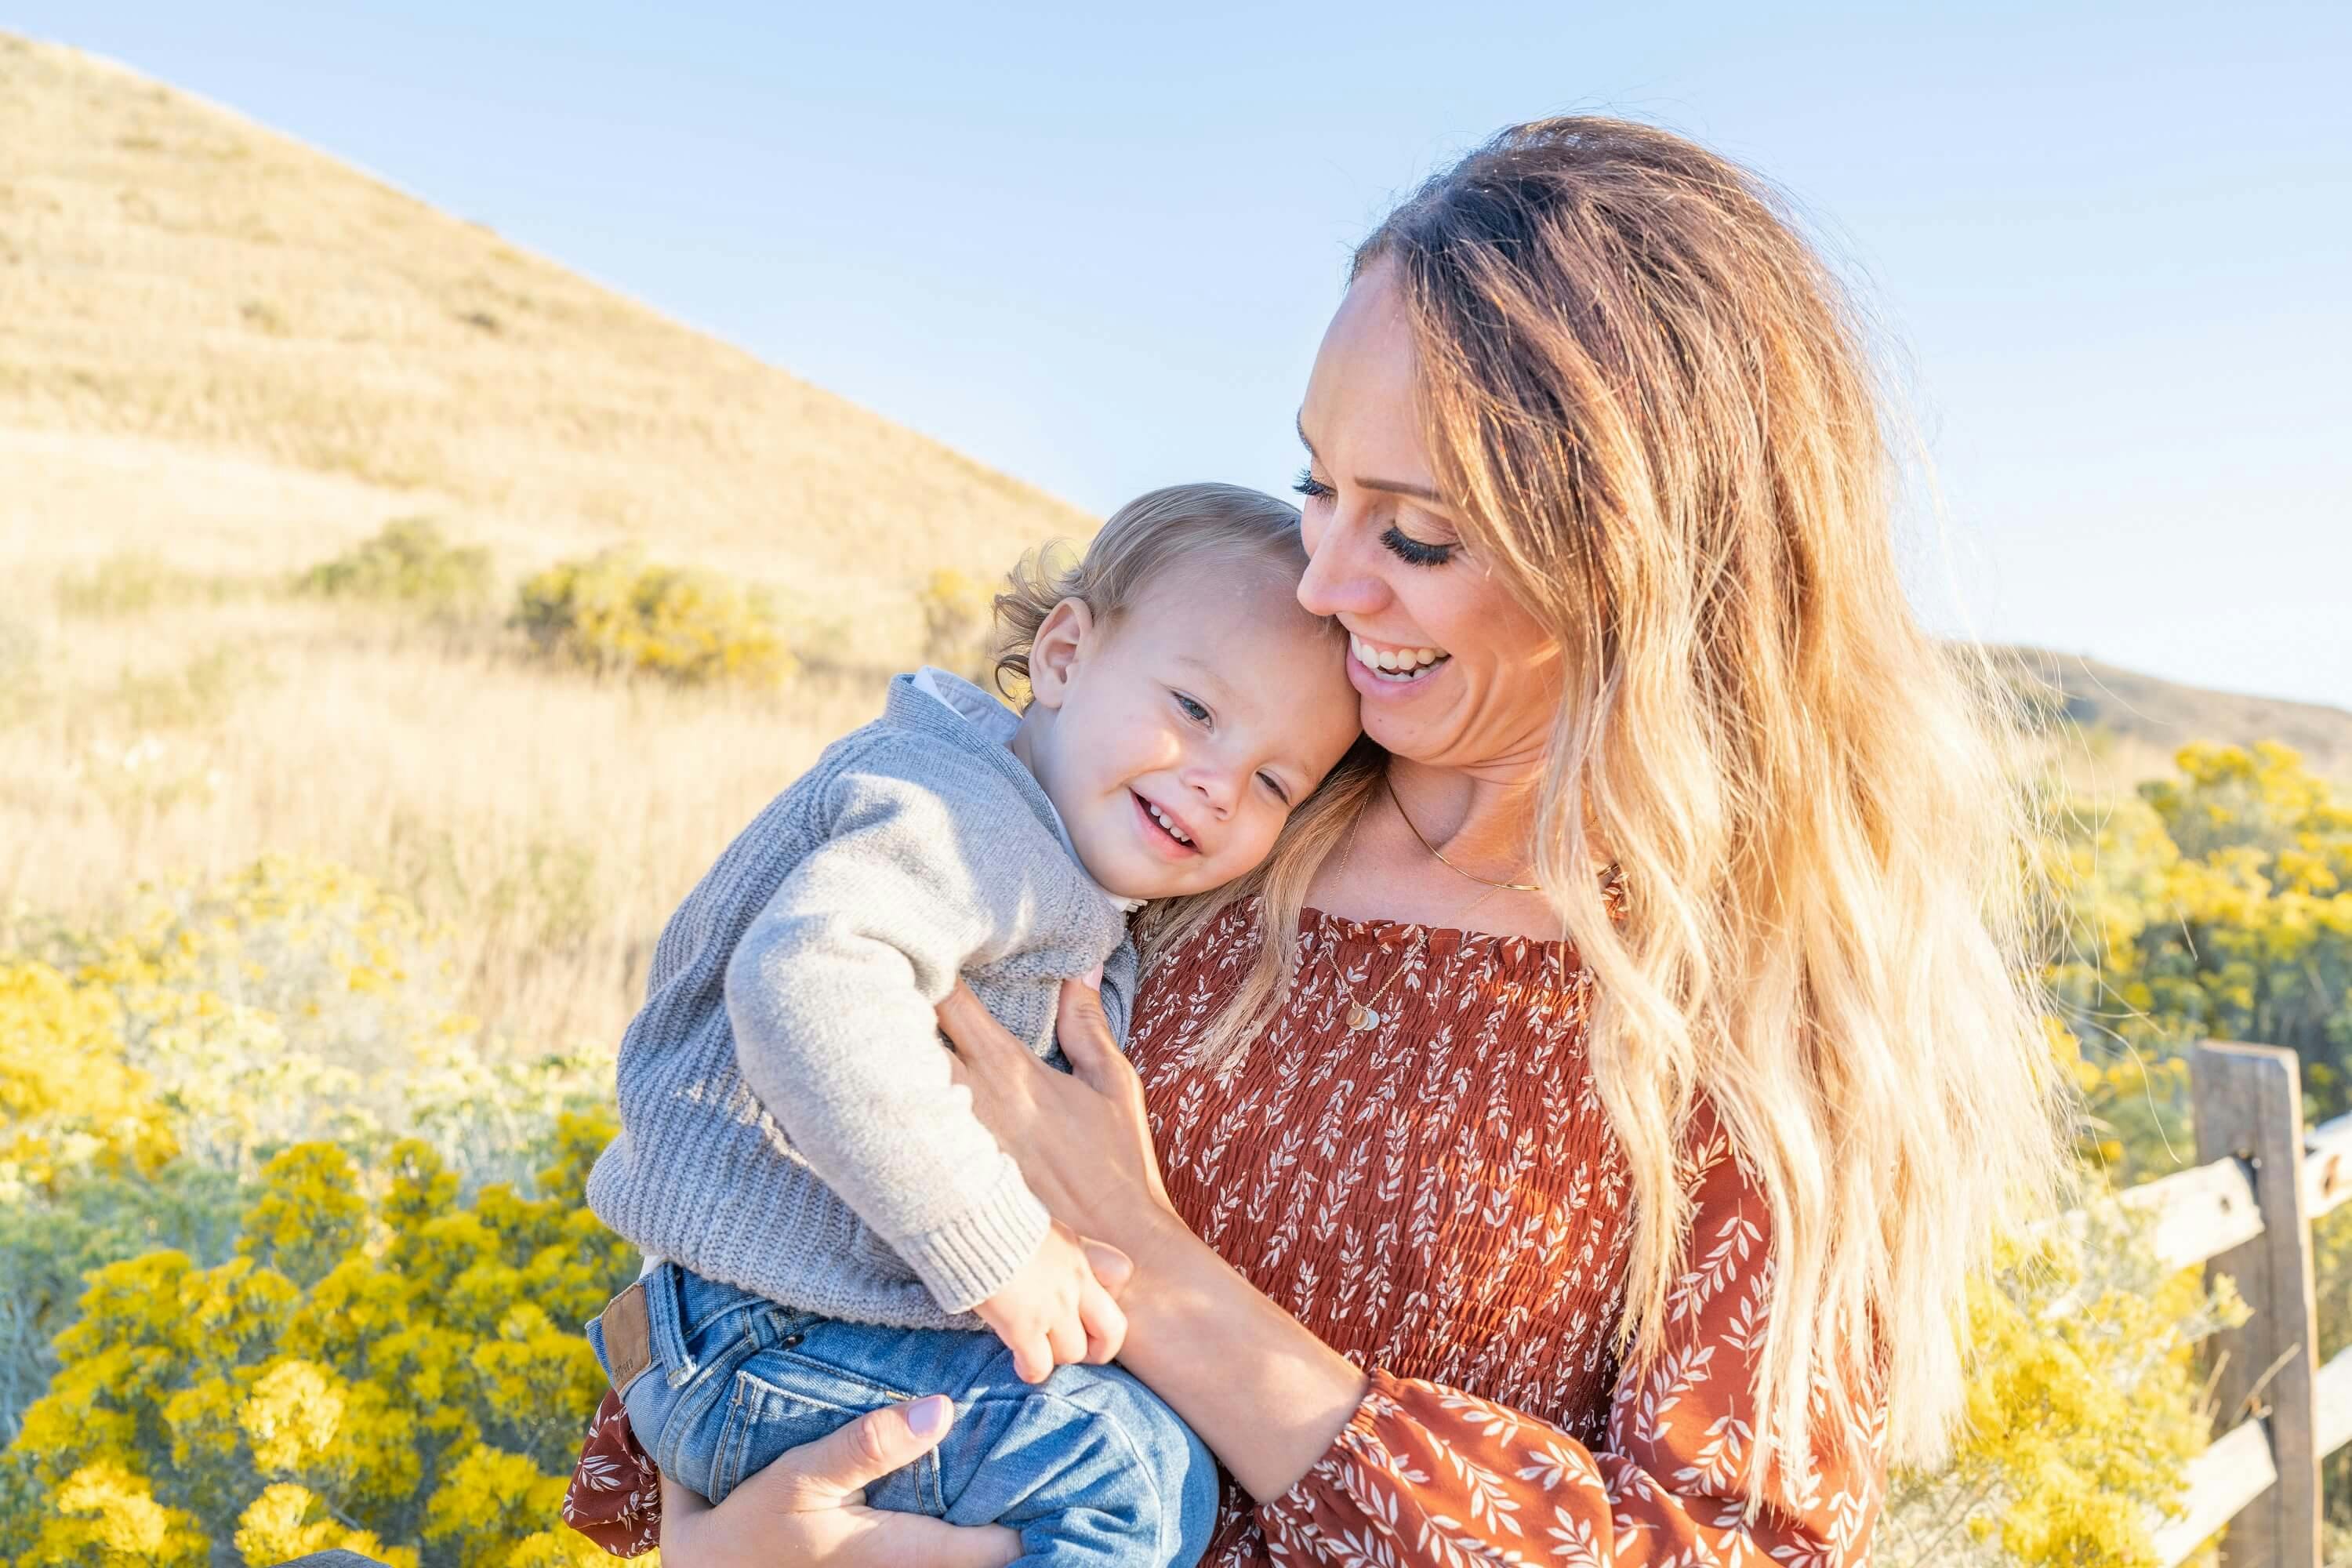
1262	1390
1081	1137
808	1508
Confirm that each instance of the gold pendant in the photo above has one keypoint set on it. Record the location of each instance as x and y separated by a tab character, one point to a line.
1360	1018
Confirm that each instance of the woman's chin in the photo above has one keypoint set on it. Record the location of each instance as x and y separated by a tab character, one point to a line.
1411	730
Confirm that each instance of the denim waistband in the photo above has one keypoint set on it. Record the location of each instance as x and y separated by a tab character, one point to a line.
680	1305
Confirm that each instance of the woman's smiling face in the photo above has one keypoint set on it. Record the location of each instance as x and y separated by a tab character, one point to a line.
1453	672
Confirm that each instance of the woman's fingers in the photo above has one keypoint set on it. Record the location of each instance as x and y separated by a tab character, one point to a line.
1082	1031
982	1042
807	1506
834	1470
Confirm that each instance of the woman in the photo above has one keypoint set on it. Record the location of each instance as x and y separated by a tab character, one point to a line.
1597	1176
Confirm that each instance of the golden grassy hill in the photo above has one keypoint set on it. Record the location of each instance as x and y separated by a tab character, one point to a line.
2141	720
220	344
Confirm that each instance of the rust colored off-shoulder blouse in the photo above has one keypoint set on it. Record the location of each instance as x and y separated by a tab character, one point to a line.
1440	1199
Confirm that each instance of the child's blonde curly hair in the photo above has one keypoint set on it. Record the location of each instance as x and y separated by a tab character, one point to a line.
1144	540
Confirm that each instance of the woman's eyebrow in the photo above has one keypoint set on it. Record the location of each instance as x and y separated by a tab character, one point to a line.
1395	487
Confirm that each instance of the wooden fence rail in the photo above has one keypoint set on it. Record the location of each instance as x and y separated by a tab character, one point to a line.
2247	1212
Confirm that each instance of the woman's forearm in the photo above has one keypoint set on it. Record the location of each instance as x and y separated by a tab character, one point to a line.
1263	1392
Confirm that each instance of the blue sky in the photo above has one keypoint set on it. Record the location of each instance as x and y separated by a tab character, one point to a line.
2110	244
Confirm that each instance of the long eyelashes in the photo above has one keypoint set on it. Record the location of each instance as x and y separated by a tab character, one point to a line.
1415	552
1403	545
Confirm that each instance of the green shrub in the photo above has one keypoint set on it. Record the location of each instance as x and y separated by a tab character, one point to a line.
407	561
199	693
133	582
615	611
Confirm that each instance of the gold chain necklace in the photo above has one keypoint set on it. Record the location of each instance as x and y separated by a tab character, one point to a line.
1361	1016
1425	844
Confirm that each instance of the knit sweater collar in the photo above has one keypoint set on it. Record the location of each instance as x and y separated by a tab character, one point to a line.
996	724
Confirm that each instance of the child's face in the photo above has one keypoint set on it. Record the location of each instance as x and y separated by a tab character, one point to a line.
1176	740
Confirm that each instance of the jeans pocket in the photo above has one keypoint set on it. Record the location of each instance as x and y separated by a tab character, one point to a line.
782	1402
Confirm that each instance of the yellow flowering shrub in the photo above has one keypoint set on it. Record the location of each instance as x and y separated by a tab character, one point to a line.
271	1279
2216	904
2082	1407
68	1094
958	620
150	1071
105	1515
296	1000
615	611
394	1369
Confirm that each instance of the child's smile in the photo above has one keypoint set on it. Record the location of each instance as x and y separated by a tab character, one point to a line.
1176	738
1163	829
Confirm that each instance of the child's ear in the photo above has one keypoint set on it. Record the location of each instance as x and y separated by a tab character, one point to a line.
1057	650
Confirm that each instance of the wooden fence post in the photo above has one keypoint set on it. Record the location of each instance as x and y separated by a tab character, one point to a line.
2249	1106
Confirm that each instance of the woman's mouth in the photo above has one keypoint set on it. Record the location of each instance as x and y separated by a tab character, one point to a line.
1164	829
1395	666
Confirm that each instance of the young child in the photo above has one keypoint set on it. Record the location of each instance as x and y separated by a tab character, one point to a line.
827	1226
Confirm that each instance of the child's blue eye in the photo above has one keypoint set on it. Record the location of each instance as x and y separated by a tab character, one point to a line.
1191	709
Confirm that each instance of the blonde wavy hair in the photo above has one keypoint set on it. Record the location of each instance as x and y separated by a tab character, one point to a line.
1140	544
1651	409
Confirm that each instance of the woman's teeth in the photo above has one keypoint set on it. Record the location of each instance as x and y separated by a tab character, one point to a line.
1396	663
1160	817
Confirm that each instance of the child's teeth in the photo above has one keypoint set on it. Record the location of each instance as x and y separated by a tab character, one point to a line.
1160	817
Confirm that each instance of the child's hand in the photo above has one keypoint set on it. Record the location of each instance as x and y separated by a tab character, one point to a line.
1055	1312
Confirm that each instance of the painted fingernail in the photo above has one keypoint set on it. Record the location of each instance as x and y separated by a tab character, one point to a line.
928	1418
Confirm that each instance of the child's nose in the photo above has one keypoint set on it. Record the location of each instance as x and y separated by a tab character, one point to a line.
1217	788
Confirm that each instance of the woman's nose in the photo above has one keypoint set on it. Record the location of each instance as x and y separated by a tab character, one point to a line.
1337	581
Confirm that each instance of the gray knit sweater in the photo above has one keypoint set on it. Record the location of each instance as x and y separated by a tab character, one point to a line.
788	1122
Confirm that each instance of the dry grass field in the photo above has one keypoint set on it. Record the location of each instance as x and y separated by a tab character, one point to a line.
225	357
180	285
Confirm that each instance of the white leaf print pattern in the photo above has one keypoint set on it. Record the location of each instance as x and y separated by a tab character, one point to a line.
1440	1198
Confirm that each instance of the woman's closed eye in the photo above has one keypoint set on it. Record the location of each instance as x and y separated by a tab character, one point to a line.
1403	545
1416	551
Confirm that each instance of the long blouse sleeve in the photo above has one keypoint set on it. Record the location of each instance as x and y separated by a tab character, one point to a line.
1425	1475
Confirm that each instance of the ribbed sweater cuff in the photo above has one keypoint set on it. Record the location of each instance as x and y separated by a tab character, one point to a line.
966	1261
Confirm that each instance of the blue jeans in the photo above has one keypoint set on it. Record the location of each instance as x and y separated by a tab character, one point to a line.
1089	1467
